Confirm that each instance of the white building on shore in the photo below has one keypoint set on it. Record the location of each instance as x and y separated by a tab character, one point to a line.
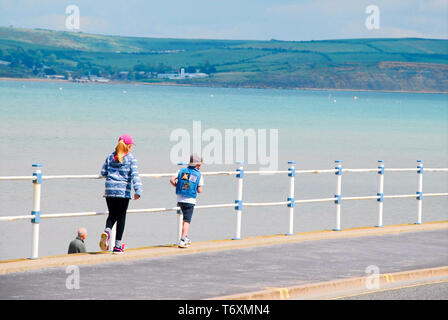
182	75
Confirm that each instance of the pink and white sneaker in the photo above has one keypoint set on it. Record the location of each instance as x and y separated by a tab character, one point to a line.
104	242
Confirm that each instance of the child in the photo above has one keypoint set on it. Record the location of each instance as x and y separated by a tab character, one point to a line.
188	183
121	171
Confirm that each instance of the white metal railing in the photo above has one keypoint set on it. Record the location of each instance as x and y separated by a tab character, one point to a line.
290	202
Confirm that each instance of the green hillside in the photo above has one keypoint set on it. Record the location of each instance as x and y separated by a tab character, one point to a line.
409	64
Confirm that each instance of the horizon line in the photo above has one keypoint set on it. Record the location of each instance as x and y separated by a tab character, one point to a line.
220	39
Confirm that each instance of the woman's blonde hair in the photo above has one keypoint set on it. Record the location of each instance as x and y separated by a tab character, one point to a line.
121	150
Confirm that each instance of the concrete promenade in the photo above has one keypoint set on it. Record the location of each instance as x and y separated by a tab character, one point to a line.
269	267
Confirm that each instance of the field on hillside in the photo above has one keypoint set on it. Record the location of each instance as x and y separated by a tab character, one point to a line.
374	64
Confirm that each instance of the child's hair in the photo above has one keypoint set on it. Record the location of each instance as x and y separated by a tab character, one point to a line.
121	150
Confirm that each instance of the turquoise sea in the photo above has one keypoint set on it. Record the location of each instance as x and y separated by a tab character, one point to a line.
71	128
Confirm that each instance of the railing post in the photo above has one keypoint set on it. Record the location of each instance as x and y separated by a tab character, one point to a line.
180	219
36	209
419	191
380	193
338	195
291	174
239	201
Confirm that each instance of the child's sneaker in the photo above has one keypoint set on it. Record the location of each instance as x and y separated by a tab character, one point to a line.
183	243
104	242
187	240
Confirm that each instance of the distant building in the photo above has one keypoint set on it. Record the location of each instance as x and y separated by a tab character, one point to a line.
55	76
83	79
181	75
196	75
98	79
170	75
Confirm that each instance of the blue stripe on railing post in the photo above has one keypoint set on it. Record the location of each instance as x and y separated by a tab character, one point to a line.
419	191
37	182
239	200
291	174
338	194
380	193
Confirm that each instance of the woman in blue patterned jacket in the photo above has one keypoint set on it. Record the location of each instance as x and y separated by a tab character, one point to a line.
121	172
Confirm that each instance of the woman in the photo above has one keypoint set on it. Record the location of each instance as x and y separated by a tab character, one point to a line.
121	171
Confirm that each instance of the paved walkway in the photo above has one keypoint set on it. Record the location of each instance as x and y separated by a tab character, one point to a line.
219	268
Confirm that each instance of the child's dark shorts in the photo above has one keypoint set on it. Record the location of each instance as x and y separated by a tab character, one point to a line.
187	210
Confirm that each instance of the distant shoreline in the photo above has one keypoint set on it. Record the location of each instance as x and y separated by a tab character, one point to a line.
174	84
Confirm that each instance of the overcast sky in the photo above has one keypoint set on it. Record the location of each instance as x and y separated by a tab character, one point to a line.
236	19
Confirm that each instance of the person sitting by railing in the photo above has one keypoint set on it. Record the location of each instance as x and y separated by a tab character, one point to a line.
77	245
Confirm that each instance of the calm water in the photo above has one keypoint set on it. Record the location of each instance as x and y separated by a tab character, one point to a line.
71	128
